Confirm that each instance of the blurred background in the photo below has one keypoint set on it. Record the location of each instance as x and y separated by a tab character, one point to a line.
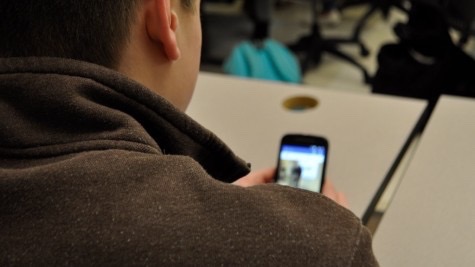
337	42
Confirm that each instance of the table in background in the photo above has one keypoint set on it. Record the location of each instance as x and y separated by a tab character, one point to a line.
365	132
431	220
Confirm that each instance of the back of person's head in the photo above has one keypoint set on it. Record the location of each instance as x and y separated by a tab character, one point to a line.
90	30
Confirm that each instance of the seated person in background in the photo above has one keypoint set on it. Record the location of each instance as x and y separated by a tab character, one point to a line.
260	13
100	166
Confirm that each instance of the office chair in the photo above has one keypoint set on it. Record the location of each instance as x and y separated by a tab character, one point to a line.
375	5
426	62
310	48
461	16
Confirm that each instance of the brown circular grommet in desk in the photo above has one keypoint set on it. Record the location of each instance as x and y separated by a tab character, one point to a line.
300	103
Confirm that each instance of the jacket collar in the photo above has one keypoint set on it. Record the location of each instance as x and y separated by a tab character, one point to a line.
52	106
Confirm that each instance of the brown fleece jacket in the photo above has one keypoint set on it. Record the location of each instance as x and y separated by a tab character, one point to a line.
97	170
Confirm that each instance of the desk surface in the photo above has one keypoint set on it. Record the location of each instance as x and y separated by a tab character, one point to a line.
431	220
365	132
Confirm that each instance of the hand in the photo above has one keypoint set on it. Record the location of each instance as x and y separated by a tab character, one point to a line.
330	191
264	176
267	176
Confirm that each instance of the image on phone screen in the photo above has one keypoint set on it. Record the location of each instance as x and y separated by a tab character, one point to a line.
302	166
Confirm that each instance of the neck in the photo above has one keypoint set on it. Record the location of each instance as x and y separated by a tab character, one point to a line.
146	63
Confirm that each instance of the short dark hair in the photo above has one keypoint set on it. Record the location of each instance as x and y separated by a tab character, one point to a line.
89	30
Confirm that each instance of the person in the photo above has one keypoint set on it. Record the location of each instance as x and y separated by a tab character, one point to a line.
99	165
260	13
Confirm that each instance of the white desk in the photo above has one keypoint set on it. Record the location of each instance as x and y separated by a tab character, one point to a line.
365	132
431	220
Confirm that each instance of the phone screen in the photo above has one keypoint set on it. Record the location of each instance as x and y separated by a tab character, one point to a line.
302	166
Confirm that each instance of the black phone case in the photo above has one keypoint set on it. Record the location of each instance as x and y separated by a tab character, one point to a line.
303	140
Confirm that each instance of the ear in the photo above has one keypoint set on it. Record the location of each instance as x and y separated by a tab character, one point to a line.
161	23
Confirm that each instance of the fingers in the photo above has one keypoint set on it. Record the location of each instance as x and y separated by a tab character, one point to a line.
266	175
342	200
330	191
263	176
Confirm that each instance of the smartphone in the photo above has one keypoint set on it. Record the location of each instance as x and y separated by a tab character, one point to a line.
302	162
